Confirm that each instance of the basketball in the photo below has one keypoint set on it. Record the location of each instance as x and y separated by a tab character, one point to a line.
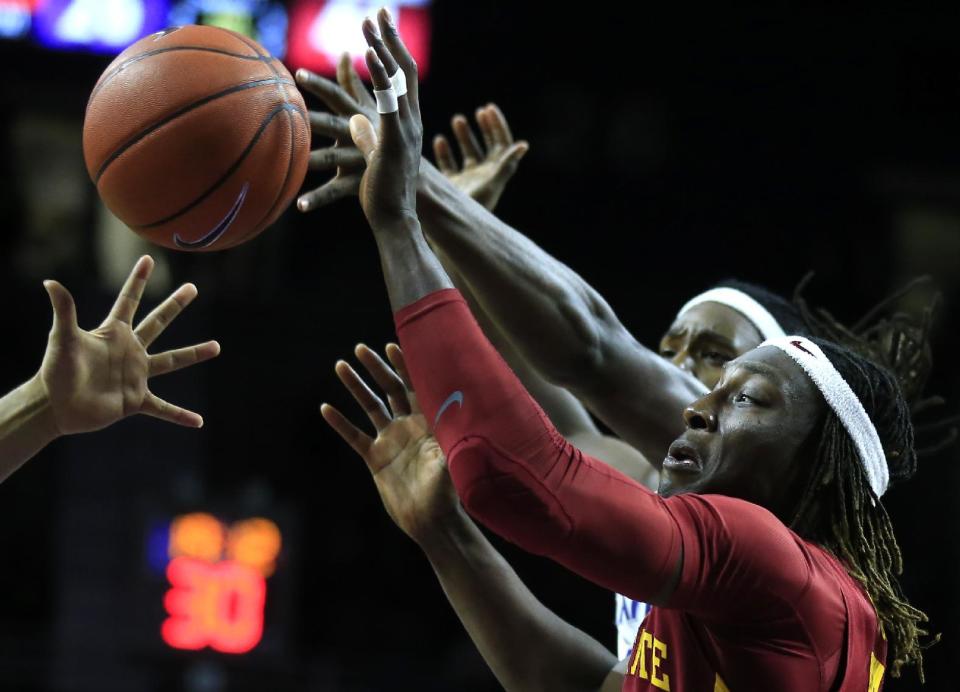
196	138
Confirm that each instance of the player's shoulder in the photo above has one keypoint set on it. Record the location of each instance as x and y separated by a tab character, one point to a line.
740	527
729	511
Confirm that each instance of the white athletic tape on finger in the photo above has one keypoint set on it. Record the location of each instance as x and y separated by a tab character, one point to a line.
386	101
399	82
844	402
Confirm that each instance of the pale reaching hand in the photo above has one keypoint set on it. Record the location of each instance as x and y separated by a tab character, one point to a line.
486	170
95	378
407	464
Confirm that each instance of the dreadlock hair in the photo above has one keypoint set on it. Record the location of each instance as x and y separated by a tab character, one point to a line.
899	340
839	510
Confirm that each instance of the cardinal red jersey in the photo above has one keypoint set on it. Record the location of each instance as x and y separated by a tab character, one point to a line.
755	607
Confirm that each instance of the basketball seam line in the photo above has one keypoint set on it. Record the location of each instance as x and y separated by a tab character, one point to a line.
173	116
142	56
229	172
286	179
268	61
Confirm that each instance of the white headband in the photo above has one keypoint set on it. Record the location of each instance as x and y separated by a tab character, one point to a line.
758	315
844	403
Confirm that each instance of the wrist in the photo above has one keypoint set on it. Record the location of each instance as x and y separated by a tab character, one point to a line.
37	402
447	533
402	222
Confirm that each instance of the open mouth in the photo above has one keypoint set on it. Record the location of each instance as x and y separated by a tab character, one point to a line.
682	458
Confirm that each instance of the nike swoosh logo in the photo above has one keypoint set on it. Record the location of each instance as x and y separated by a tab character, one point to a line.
213	235
799	345
456	397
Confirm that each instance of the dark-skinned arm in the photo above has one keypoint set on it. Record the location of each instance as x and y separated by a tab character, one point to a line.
532	297
535	300
472	573
486	169
563	408
511	467
526	645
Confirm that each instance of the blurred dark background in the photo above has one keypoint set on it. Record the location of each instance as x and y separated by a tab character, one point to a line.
670	148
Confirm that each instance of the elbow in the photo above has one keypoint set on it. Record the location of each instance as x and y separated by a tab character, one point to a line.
508	499
576	362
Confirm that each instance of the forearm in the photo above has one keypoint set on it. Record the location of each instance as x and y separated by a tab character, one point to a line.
564	410
515	473
26	425
536	300
527	646
410	268
531	296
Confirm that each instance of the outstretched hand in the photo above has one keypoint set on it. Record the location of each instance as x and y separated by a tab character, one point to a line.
345	98
407	464
96	378
486	169
483	174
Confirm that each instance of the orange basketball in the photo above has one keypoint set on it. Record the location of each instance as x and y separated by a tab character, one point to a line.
196	138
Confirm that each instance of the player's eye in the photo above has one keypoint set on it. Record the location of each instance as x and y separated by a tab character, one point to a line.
667	353
715	358
748	399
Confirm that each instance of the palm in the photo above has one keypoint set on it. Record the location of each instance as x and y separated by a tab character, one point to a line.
410	473
483	181
388	188
407	464
95	378
487	167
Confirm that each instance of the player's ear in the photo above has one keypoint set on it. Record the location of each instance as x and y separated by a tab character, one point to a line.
363	136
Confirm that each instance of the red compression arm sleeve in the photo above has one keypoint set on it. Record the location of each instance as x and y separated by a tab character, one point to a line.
517	475
513	470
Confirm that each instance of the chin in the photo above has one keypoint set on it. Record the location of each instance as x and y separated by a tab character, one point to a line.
671	484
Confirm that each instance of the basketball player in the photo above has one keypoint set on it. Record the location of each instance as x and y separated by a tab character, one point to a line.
811	623
89	380
532	298
710	330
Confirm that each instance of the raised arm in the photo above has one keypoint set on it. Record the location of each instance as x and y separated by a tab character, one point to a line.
527	646
594	355
89	380
511	468
530	296
534	300
484	172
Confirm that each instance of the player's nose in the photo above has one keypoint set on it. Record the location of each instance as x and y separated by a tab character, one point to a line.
699	416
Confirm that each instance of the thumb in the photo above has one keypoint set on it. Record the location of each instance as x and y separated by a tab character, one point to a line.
511	159
64	311
349	79
363	136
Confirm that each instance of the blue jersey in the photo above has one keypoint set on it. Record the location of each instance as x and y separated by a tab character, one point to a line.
627	617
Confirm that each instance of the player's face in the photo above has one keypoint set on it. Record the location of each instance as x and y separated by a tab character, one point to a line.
705	338
752	436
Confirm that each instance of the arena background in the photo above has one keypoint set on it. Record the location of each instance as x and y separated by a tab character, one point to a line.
669	149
